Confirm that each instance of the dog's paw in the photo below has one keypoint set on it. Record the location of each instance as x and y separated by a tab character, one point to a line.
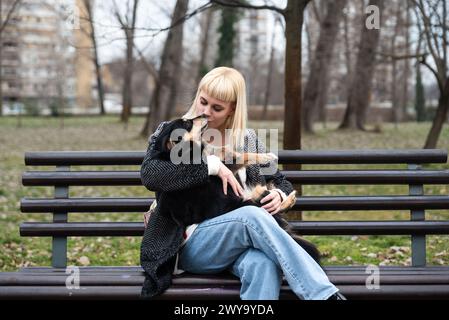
289	202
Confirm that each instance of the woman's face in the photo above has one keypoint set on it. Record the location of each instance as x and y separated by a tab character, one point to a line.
217	111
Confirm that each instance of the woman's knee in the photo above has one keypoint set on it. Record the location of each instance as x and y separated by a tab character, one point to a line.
255	215
250	216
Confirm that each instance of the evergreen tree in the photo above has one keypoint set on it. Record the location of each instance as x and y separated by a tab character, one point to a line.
229	17
420	100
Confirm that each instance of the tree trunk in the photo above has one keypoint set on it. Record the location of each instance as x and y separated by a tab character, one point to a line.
175	56
315	93
394	91
394	69
294	15
269	75
420	100
164	95
440	117
347	55
127	79
127	100
1	69
1	58
88	5
404	94
202	68
360	89
226	41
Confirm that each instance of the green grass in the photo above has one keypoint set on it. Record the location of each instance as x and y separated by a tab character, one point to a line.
106	133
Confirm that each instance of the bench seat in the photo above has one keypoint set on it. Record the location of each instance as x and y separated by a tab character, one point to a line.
430	282
407	168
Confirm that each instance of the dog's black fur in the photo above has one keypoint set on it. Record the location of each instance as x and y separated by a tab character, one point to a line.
206	201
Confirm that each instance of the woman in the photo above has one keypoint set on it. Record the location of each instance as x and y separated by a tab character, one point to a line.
247	241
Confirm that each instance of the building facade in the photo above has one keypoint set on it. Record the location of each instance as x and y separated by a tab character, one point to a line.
46	64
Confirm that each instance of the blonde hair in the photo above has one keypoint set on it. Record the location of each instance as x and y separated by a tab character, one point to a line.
226	84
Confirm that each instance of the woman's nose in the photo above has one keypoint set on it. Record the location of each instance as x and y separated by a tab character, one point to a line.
206	111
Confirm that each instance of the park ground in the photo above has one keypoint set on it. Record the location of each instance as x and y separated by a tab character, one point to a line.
107	134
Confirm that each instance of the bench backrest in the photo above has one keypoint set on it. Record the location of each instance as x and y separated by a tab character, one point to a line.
413	175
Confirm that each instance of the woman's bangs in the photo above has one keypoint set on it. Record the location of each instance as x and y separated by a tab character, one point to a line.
221	89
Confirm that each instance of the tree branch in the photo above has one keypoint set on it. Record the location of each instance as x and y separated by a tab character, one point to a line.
402	57
239	4
435	73
151	70
118	16
13	8
426	22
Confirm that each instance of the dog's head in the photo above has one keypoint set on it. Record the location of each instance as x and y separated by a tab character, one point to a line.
182	136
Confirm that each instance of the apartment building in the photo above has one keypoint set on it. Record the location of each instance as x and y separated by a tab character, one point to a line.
45	60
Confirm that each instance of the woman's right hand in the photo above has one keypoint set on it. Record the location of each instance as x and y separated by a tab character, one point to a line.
228	177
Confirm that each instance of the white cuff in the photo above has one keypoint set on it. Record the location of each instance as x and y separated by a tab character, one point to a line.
283	195
213	165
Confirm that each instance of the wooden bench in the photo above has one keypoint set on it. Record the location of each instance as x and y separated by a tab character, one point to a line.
416	281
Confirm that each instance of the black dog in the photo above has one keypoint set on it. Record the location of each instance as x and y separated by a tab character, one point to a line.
206	201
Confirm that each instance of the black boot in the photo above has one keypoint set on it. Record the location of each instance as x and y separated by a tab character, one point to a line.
337	296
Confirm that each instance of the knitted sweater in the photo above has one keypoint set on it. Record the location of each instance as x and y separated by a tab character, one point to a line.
163	236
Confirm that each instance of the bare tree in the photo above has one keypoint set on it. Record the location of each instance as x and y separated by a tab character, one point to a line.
404	97
397	115
11	7
433	16
88	5
360	89
308	34
204	44
315	93
347	53
128	24
270	71
164	96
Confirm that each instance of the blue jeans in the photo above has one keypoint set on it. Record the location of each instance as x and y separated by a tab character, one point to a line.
249	243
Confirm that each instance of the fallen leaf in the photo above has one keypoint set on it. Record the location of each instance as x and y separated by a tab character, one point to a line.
84	261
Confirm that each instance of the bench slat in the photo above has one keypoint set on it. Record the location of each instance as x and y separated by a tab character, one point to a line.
370	227
208	293
41	229
372	156
310	203
126	279
334	269
323	177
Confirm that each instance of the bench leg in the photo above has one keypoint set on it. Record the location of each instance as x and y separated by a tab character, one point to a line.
59	255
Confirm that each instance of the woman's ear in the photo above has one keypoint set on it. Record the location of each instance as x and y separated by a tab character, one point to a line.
233	106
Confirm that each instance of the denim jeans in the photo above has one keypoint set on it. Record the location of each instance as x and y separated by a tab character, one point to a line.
249	243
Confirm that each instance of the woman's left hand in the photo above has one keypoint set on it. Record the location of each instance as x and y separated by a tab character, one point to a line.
272	202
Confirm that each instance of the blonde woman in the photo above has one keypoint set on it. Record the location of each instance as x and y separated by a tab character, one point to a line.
247	241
